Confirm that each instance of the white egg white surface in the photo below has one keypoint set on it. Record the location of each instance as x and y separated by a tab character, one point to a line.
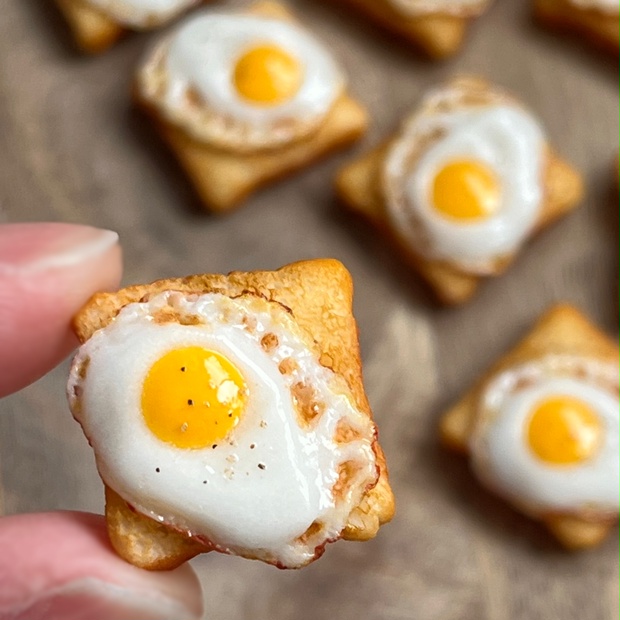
501	135
446	7
503	460
201	55
245	508
142	13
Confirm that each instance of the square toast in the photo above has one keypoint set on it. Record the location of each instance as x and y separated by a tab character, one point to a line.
602	29
93	31
561	330
359	187
319	293
223	179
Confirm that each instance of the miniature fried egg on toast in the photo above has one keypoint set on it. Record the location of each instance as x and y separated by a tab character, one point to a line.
462	186
437	27
598	20
98	24
227	413
541	428
244	98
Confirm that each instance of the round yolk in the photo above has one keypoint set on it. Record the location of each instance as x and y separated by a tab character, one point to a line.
193	397
466	190
267	75
563	430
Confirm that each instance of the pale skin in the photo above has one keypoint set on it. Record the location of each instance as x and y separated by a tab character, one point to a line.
60	566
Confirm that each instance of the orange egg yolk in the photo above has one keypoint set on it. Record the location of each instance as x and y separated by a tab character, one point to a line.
267	75
466	190
193	397
563	430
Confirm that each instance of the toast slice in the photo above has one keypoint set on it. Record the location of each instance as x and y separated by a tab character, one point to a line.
602	29
320	294
94	32
223	179
359	186
561	330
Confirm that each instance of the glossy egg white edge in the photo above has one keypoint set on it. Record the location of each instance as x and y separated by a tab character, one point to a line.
256	512
502	460
200	56
460	8
142	14
491	128
611	7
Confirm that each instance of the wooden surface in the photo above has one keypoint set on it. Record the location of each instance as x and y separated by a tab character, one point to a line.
72	149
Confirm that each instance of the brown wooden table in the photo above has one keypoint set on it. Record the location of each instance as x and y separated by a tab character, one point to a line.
71	148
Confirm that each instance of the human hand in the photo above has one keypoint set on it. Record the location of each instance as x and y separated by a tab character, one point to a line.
60	566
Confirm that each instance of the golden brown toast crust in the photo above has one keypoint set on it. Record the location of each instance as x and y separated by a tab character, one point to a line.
359	187
438	36
320	294
603	30
93	31
223	179
561	330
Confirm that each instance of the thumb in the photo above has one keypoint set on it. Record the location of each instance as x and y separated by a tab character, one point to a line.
60	566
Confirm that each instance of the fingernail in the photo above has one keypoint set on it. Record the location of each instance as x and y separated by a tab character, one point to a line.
35	248
92	598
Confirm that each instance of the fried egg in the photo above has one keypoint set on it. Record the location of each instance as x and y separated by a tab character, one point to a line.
547	438
242	81
141	14
463	182
214	416
415	8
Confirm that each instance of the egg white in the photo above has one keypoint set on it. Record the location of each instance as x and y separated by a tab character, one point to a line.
501	135
254	511
201	55
503	460
141	14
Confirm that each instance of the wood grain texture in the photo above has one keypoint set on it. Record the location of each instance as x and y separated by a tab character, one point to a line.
71	148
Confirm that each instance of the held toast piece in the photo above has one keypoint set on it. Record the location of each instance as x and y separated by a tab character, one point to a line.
599	23
570	370
305	306
231	151
439	34
361	187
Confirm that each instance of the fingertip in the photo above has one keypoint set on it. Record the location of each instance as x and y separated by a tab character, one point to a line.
47	272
